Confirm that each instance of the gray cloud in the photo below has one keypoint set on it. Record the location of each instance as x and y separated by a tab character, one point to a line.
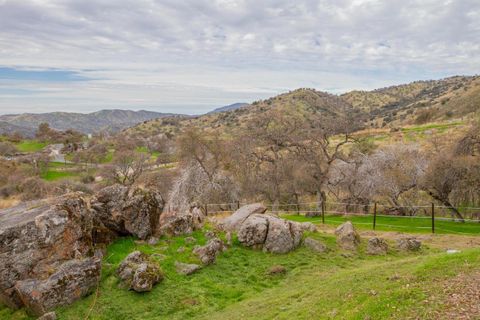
190	56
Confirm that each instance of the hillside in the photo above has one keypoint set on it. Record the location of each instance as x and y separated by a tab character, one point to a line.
9	128
415	103
418	102
109	120
304	101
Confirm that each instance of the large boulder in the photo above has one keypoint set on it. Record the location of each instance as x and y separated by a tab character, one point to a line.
234	222
377	246
209	252
138	272
273	234
127	211
73	279
37	237
347	236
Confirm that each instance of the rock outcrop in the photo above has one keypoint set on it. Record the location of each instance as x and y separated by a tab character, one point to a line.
209	252
271	233
347	236
138	272
126	211
315	245
408	244
178	225
73	279
234	222
377	246
37	238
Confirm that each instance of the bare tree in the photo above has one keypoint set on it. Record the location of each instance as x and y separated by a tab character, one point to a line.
126	167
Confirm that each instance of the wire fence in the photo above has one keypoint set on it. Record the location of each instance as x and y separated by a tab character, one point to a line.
427	217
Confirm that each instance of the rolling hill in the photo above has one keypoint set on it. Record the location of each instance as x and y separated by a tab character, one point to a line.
109	120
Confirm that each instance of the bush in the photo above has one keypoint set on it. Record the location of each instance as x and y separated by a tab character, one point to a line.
34	188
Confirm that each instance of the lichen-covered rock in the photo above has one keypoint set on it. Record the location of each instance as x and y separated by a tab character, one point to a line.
209	252
408	244
138	272
37	237
315	245
186	268
377	246
234	222
271	233
347	236
127	211
73	279
253	230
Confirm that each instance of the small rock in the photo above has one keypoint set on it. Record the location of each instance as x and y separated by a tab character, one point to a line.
408	244
228	237
208	253
377	246
190	240
152	241
277	269
186	268
453	251
49	316
139	272
315	245
181	250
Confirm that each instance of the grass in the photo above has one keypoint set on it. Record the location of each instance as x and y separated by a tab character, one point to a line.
30	146
402	224
53	175
316	286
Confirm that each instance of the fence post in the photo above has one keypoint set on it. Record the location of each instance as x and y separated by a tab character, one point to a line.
323	212
433	217
374	215
206	209
238	205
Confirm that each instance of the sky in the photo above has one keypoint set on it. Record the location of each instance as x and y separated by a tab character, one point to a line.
192	56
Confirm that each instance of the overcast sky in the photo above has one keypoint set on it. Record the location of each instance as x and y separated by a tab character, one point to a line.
192	56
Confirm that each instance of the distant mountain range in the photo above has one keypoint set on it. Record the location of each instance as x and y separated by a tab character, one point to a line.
230	107
108	120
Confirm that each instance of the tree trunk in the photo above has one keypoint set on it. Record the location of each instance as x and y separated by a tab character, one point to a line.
447	204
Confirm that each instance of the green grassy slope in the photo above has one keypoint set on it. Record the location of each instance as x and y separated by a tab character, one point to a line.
238	286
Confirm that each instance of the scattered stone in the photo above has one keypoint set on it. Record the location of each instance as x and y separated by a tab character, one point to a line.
73	280
181	250
139	272
276	270
273	234
234	222
152	241
198	217
190	302
48	316
453	251
377	246
186	268
126	211
408	244
308	226
315	245
208	253
347	236
190	240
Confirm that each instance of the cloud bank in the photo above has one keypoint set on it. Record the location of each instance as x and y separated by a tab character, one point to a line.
192	56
